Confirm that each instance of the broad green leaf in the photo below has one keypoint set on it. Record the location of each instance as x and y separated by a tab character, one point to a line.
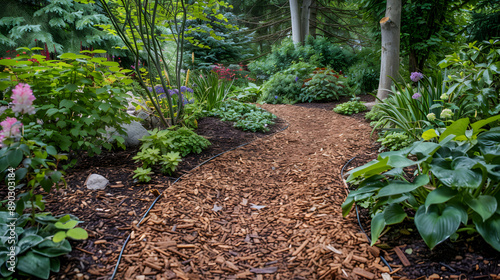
77	233
27	242
429	134
51	150
489	144
373	167
68	225
457	128
394	214
400	187
377	226
397	161
59	237
479	124
459	173
489	230
64	218
434	225
55	265
484	205
14	158
50	249
34	264
66	103
439	195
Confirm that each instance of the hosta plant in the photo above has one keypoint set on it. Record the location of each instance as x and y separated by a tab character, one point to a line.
324	84
247	117
456	186
350	107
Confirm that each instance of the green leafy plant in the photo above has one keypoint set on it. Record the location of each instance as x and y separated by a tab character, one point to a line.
249	94
142	174
286	85
350	107
166	147
324	84
77	97
247	117
457	183
394	141
209	90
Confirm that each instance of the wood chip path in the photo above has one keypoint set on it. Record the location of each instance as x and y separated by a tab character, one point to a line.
269	210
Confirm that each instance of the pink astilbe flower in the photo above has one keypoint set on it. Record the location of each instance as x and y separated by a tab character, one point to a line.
22	98
11	127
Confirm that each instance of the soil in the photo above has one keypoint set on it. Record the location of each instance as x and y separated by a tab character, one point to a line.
267	210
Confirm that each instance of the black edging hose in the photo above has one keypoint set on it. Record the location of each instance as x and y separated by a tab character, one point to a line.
357	212
176	180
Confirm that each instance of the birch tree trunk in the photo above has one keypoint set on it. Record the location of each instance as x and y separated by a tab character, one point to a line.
296	29
389	67
304	19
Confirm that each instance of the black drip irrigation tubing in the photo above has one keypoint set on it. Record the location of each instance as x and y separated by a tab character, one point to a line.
357	212
176	180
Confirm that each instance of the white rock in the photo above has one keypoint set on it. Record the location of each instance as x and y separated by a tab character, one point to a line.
96	182
133	132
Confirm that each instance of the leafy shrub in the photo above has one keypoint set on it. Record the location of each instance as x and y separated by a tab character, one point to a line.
249	94
374	114
166	147
77	98
395	141
26	166
349	108
317	51
324	84
247	117
286	85
456	184
364	75
475	68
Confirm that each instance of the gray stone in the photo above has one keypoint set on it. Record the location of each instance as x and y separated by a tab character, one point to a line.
133	132
96	182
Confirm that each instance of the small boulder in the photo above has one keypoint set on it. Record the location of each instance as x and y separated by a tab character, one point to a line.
133	132
96	182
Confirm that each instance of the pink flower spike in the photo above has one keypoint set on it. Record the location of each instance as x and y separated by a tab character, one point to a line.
2	137
22	98
11	127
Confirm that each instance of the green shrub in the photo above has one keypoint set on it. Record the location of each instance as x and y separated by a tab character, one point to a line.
77	98
286	86
247	117
249	94
323	84
209	90
395	141
350	107
456	183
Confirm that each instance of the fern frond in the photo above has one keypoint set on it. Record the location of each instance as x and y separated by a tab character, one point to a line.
11	21
19	31
6	41
57	22
89	21
50	9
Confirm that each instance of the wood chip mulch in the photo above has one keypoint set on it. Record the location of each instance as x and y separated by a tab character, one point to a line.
270	210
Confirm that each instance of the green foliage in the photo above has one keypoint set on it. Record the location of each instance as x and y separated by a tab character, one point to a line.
209	90
456	184
231	44
37	248
319	52
485	23
249	94
476	67
364	74
64	25
374	114
395	141
166	147
247	117
286	86
323	84
350	107
77	98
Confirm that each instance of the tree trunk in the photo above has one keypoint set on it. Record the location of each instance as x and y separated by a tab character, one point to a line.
296	29
313	19
304	19
389	67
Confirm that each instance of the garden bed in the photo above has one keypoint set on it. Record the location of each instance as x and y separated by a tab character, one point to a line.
295	174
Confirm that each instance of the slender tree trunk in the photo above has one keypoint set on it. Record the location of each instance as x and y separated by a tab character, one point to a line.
296	29
304	19
314	18
389	67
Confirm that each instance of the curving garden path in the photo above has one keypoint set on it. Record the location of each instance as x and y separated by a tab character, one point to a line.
268	210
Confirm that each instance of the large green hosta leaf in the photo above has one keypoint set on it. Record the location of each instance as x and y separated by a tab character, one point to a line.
490	230
34	264
461	172
437	225
400	187
489	144
484	205
439	195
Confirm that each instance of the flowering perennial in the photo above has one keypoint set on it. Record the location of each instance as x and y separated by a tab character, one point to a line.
416	95
22	98
416	76
446	114
431	117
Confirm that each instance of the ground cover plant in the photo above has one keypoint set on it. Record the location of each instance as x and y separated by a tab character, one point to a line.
455	190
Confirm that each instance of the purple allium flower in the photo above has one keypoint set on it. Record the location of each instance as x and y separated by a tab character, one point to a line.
183	88
416	76
296	78
416	95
